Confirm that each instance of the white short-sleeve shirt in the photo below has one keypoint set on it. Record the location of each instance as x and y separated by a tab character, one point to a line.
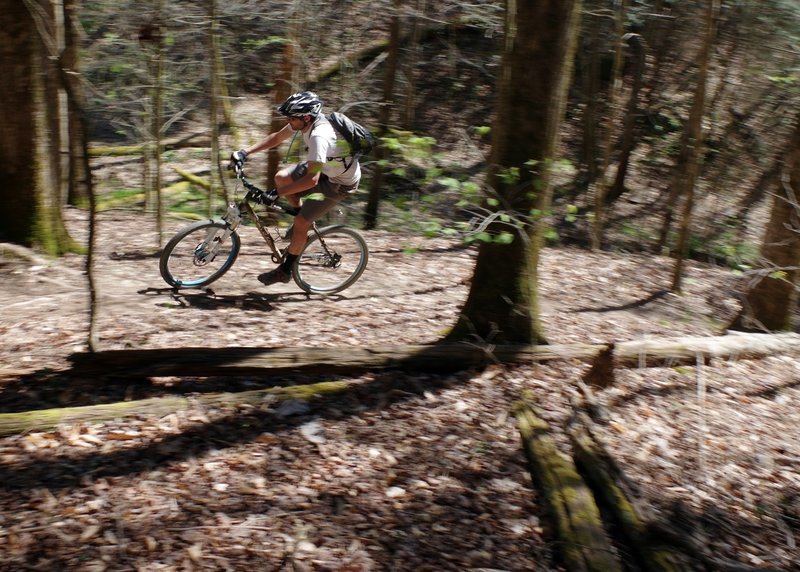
324	147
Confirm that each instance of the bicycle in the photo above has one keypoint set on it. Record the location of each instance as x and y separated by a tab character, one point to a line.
333	259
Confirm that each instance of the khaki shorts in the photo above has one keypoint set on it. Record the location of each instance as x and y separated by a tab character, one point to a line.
333	193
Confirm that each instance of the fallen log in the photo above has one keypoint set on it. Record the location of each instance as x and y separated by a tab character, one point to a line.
434	358
570	506
106	203
15	251
192	178
46	419
605	480
190	141
438	358
687	350
232	361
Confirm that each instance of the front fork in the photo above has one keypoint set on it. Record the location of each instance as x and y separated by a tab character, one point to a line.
207	250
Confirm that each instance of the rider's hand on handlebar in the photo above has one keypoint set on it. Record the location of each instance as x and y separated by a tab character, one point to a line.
268	198
237	159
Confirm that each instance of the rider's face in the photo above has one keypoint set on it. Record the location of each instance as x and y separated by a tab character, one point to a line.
297	123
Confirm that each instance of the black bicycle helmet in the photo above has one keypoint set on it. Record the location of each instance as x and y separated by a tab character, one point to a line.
300	104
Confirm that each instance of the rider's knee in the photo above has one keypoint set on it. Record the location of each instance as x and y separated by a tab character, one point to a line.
282	178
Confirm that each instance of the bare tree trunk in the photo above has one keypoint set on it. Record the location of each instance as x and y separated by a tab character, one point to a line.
602	182
158	94
628	138
414	49
71	82
30	158
695	143
79	159
50	231
770	304
61	116
590	95
78	191
152	40
215	80
502	304
387	103
284	86
17	178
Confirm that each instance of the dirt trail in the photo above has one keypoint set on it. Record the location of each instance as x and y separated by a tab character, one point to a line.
411	292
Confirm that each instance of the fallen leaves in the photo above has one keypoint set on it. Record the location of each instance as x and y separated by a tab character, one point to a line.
423	473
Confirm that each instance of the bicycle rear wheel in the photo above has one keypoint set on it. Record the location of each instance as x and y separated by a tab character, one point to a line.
332	261
199	254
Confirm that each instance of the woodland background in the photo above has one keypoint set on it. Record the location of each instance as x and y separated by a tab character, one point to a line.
401	470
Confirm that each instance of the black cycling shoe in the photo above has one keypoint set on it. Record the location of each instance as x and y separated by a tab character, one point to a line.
274	276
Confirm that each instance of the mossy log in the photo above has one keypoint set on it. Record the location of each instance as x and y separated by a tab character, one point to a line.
571	509
435	358
602	475
111	202
192	178
46	419
15	251
194	140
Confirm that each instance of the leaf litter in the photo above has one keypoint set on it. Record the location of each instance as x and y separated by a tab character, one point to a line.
403	472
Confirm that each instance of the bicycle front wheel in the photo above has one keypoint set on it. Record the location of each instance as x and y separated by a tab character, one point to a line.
199	254
331	261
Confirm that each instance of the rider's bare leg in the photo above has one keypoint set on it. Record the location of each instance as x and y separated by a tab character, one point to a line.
300	229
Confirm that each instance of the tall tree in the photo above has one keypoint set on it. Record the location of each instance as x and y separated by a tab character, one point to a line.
17	151
216	82
628	135
71	82
413	52
614	94
387	101
50	125
78	192
502	305
284	84
688	144
30	164
770	304
589	65
151	36
688	172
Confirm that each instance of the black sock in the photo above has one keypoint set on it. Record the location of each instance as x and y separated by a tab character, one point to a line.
288	262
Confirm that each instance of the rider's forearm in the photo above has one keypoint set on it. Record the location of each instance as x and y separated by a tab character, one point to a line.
270	141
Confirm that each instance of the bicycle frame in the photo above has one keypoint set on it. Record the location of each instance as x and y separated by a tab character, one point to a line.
236	212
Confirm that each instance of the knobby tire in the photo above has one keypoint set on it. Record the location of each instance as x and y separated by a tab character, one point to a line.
180	265
335	267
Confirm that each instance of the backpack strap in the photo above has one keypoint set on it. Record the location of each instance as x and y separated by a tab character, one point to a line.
289	150
343	158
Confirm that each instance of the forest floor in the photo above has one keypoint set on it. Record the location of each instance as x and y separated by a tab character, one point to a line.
403	472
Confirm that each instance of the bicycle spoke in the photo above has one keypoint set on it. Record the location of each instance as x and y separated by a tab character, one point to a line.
198	255
332	264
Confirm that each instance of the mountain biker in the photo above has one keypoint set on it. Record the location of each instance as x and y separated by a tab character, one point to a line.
327	169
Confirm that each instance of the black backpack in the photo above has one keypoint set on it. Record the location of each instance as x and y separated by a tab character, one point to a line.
358	137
